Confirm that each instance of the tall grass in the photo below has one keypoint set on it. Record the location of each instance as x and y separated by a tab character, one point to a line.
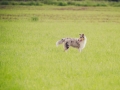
29	59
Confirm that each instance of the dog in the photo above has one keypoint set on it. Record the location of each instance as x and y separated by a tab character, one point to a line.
78	43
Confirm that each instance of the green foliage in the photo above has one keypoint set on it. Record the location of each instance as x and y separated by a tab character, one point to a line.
4	3
34	18
62	3
115	4
71	3
31	3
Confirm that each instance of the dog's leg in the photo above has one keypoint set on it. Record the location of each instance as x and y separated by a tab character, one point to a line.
80	50
65	50
66	46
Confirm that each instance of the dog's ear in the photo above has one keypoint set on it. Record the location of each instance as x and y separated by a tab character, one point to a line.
83	35
80	34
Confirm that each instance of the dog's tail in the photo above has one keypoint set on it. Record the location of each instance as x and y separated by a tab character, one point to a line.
60	41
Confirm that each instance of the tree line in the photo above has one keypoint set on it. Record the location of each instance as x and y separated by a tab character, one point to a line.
115	3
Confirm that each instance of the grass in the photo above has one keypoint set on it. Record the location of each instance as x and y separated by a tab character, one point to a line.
29	59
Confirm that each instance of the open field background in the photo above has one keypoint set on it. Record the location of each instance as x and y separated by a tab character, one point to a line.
29	59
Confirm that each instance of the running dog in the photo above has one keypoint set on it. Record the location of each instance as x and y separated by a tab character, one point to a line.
78	43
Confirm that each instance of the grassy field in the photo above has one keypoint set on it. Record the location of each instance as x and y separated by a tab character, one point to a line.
30	60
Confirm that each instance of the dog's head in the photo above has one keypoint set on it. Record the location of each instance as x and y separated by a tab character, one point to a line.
82	37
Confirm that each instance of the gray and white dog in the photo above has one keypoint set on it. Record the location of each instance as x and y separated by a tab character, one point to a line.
78	43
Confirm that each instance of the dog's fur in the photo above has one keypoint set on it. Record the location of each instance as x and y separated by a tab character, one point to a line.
78	43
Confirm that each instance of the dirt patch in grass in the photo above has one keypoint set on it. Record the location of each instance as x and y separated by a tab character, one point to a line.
72	8
83	8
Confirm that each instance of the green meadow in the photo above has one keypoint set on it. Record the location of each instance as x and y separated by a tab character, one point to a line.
30	60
